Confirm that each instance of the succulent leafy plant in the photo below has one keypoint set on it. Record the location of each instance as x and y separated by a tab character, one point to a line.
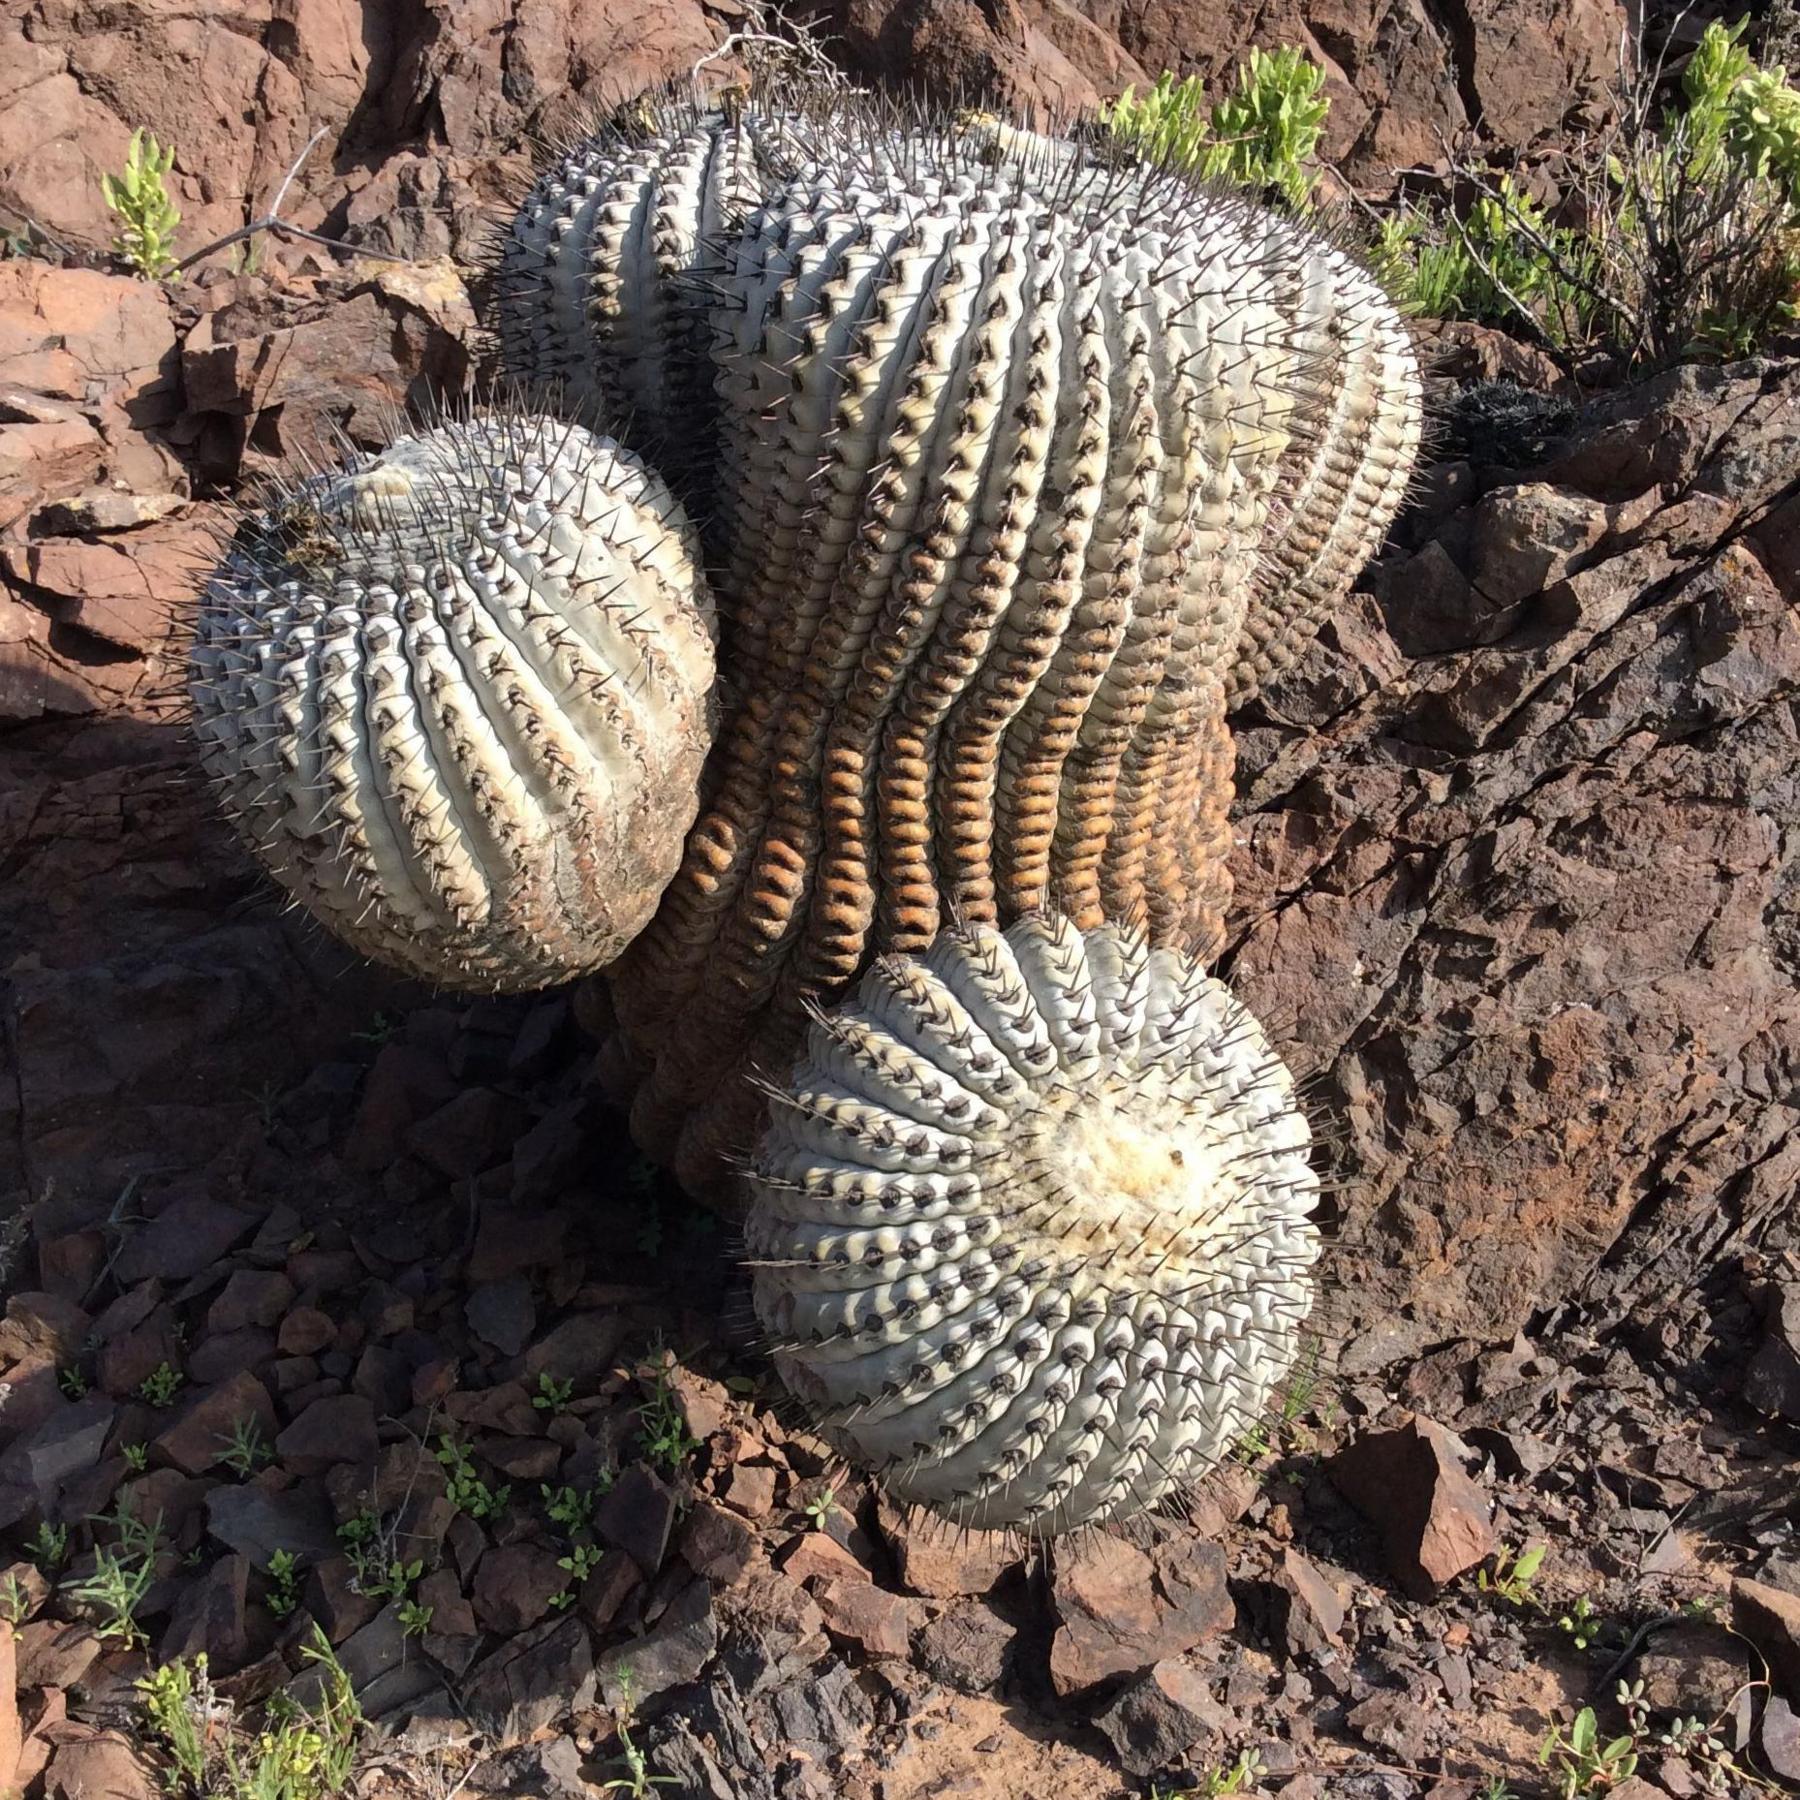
1030	1230
456	698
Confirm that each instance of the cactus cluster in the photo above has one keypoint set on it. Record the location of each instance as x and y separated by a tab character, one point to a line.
1018	462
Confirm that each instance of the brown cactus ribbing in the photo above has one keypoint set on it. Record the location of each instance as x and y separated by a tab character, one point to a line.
999	436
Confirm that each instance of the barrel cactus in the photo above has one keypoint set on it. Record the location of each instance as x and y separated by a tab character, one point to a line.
457	698
1029	1232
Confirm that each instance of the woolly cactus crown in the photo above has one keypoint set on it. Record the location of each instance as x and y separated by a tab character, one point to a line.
1030	1231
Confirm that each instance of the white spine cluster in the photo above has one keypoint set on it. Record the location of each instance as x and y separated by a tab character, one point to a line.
457	698
1030	1231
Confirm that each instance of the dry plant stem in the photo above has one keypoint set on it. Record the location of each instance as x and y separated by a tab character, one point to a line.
272	221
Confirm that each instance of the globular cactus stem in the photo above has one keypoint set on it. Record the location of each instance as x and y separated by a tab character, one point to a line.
1030	1230
458	698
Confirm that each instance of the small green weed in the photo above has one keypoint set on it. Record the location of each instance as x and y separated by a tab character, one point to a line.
121	1577
1514	1574
637	1781
665	1434
161	1385
300	1754
553	1396
415	1620
468	1493
72	1381
49	1547
569	1507
147	216
137	1457
1580	1763
284	1583
15	1601
245	1451
821	1506
1582	1623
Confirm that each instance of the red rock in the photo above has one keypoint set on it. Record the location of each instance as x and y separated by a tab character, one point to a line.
750	1489
1312	1613
209	1618
1770	1618
340	1429
1408	1482
942	1559
305	1331
605	1591
580	1350
514	1585
191	1233
49	1653
637	1516
12	1739
715	1544
1120	1609
250	1297
123	590
814	1555
99	1765
868	1616
451	1614
203	1430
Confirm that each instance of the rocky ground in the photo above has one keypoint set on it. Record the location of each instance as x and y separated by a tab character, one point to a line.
301	1259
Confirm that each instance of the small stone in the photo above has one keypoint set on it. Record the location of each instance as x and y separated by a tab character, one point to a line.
716	1545
607	1589
637	1517
1312	1614
503	1313
1394	1723
702	1403
256	1523
1408	1482
451	1613
192	1232
579	1350
868	1616
206	1427
12	1738
250	1297
1690	1667
305	1332
50	1653
751	1490
1781	1738
209	1618
1770	1619
339	1429
529	1683
1772	1379
672	1652
942	1560
966	1647
524	1459
511	1240
336	1600
465	1135
103	1765
216	1359
1159	1717
814	1556
1121	1610
514	1585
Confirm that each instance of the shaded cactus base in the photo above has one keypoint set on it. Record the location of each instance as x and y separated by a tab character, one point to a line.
1030	1232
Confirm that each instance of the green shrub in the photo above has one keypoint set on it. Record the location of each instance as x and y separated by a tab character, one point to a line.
147	216
1264	134
1687	235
